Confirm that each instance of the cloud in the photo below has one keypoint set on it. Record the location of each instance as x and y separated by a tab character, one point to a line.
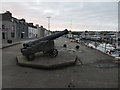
91	15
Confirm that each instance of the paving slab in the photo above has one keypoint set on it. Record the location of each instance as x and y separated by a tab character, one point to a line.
44	61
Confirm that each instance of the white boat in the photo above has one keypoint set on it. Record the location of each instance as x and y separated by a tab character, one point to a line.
110	50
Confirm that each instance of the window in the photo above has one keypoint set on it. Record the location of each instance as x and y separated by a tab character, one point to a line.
3	26
12	35
13	28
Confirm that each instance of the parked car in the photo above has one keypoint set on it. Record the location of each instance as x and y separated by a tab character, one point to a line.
73	40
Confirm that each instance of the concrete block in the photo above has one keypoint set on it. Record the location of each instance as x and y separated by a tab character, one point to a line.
64	58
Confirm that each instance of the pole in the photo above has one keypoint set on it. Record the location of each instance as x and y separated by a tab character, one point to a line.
117	42
116	39
71	24
49	23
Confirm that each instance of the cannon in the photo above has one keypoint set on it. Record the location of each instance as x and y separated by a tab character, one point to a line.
44	44
50	37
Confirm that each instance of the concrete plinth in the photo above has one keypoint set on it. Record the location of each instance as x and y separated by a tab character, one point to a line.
64	58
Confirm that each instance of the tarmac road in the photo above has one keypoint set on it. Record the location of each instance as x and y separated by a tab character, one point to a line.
76	76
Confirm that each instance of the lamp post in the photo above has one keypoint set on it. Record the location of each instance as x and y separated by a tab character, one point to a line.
71	24
49	23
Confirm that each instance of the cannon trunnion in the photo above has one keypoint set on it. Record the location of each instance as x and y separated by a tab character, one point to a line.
45	44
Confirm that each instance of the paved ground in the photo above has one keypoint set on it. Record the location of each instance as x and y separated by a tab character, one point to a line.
76	76
4	43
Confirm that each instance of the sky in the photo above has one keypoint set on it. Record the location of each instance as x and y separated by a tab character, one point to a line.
75	16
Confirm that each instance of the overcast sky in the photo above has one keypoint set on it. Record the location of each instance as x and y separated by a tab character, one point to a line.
67	15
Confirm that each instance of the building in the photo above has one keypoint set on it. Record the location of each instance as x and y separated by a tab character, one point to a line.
32	31
46	32
12	27
42	31
38	28
8	27
21	28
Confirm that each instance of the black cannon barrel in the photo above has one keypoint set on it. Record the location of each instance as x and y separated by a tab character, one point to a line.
50	37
